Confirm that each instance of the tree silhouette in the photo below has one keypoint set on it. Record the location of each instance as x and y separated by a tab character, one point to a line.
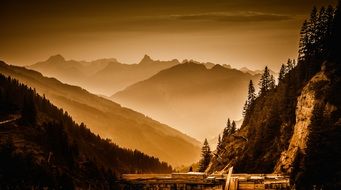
304	40
219	143
227	129
282	72
205	157
233	127
267	81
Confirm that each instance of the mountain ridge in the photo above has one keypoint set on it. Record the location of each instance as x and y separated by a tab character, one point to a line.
175	96
109	119
102	76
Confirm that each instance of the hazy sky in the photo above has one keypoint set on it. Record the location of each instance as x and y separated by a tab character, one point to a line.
238	32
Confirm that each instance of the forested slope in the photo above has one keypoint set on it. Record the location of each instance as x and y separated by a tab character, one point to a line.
295	127
41	146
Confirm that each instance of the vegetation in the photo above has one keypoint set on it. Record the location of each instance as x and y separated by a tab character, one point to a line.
229	130
267	82
205	156
269	123
250	98
55	151
128	128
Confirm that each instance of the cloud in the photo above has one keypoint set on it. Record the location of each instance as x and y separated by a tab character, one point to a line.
226	17
236	17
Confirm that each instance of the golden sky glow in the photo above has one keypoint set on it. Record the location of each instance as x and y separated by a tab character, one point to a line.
241	33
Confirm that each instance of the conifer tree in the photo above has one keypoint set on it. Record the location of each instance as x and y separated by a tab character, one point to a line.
272	82
251	93
313	23
227	129
290	65
265	81
233	127
304	40
282	73
250	98
205	157
219	143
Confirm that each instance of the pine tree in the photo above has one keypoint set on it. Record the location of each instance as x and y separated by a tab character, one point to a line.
227	130
272	82
228	126
245	108
233	127
304	40
251	93
290	65
282	73
219	143
205	157
312	35
250	98
265	81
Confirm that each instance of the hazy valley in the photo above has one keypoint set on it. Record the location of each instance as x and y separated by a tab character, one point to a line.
124	126
257	108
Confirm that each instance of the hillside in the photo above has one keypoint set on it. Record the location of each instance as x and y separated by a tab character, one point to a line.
42	147
190	97
103	76
295	128
125	127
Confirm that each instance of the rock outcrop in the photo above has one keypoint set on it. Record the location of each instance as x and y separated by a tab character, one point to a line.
304	111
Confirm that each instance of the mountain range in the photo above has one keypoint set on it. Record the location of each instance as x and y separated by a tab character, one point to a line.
165	98
123	126
190	97
103	76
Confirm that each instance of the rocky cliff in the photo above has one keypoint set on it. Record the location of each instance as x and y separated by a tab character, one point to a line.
304	112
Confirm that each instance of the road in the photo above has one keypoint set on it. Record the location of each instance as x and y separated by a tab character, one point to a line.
14	118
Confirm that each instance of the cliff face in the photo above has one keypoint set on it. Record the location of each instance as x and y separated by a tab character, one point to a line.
304	112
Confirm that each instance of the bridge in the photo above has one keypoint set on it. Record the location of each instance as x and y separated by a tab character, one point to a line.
202	181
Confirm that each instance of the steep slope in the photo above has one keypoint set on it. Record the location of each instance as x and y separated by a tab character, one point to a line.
42	147
103	76
190	97
125	127
295	128
278	134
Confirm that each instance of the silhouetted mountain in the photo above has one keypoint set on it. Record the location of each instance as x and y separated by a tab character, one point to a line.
146	60
125	127
257	72
70	70
103	76
295	128
190	97
42	147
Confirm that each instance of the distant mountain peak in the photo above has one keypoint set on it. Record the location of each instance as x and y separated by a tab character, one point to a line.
218	67
146	59
56	58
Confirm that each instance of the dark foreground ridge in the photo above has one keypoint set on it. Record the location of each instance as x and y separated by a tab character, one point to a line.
41	147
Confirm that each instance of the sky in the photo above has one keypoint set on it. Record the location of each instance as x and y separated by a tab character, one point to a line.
242	33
